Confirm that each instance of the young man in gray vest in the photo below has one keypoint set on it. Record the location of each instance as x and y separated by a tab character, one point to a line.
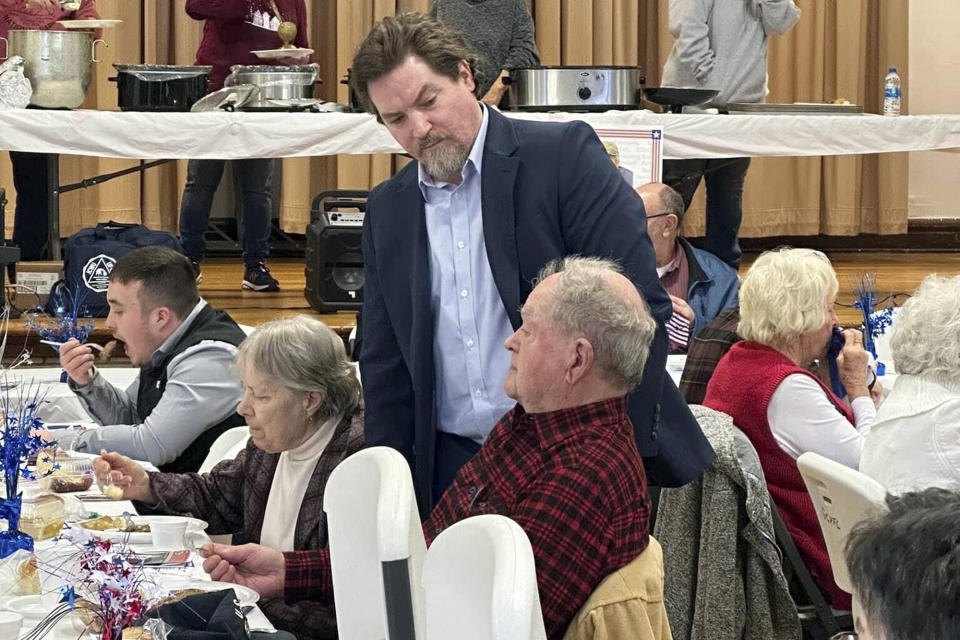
186	393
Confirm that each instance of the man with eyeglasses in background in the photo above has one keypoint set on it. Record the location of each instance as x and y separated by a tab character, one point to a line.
699	283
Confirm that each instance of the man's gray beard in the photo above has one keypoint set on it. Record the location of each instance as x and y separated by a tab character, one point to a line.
445	161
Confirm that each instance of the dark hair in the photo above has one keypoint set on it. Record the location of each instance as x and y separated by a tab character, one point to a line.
395	38
167	276
905	566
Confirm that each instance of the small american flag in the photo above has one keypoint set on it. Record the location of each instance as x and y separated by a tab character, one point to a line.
678	332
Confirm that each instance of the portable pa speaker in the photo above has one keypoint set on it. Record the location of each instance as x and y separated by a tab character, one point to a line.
334	258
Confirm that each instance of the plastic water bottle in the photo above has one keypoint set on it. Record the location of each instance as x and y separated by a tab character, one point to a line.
891	93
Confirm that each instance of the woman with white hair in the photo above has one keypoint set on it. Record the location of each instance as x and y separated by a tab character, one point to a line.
302	403
764	384
915	440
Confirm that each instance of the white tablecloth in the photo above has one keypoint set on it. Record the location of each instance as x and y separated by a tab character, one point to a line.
273	135
63	407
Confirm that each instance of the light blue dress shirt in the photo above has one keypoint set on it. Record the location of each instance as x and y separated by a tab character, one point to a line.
470	323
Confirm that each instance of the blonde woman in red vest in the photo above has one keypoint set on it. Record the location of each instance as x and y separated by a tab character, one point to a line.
786	319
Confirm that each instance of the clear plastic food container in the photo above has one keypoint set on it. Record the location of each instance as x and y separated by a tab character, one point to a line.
42	515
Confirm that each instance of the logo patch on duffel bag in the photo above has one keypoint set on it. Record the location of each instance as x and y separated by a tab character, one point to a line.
96	273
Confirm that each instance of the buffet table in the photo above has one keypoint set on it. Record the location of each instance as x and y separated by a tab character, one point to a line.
140	135
161	136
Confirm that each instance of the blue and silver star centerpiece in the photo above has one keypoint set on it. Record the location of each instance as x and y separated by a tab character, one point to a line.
875	323
19	441
69	319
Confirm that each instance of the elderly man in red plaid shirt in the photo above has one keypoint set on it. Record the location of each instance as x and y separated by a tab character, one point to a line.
563	463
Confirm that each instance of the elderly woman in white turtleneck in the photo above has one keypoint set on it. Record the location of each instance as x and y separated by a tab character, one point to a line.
302	402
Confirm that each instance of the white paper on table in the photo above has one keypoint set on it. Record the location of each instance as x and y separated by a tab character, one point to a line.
641	150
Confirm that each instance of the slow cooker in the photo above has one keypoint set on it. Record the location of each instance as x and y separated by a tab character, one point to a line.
575	88
159	87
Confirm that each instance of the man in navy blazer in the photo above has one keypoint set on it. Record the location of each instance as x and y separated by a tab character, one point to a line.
545	190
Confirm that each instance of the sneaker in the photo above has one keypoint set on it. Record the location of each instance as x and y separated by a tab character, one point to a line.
258	278
196	271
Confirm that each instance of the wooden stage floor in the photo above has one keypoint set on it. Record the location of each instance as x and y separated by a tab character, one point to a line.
897	273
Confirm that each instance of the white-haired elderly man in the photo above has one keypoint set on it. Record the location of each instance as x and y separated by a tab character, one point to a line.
915	439
563	463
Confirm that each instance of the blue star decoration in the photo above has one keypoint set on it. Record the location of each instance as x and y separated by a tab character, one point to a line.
875	324
69	596
69	320
19	441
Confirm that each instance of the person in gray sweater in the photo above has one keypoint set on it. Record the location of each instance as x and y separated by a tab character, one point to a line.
721	45
500	31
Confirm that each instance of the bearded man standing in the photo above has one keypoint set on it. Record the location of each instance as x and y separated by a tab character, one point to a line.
453	243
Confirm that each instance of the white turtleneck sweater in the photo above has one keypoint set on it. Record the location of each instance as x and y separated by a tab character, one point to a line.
294	470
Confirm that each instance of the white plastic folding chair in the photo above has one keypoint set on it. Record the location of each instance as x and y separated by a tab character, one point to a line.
227	445
480	583
376	547
842	497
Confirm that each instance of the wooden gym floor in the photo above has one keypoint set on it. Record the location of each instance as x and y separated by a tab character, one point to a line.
898	273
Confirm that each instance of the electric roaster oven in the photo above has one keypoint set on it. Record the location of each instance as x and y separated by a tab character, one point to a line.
574	88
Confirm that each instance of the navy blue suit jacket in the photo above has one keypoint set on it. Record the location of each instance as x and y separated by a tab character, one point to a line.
548	190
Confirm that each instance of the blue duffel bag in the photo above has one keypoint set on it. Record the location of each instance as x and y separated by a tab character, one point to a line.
88	258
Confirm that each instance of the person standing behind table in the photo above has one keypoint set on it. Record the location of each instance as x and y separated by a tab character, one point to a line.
500	31
699	284
229	36
721	45
30	217
452	246
186	392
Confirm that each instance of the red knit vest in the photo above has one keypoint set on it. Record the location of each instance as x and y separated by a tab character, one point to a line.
741	387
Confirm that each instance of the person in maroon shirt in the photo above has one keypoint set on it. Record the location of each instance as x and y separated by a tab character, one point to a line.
230	33
30	169
563	463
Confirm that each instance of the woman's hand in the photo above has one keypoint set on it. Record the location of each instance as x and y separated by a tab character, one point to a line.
121	471
852	365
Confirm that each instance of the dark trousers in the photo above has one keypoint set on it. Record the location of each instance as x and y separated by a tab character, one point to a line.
450	453
203	176
724	177
30	216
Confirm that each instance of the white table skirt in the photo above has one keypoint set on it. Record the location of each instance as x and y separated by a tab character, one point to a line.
61	404
131	134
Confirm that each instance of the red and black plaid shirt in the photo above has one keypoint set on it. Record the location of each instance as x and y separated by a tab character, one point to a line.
572	479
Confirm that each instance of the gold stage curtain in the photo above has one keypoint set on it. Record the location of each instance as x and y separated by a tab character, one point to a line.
838	49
